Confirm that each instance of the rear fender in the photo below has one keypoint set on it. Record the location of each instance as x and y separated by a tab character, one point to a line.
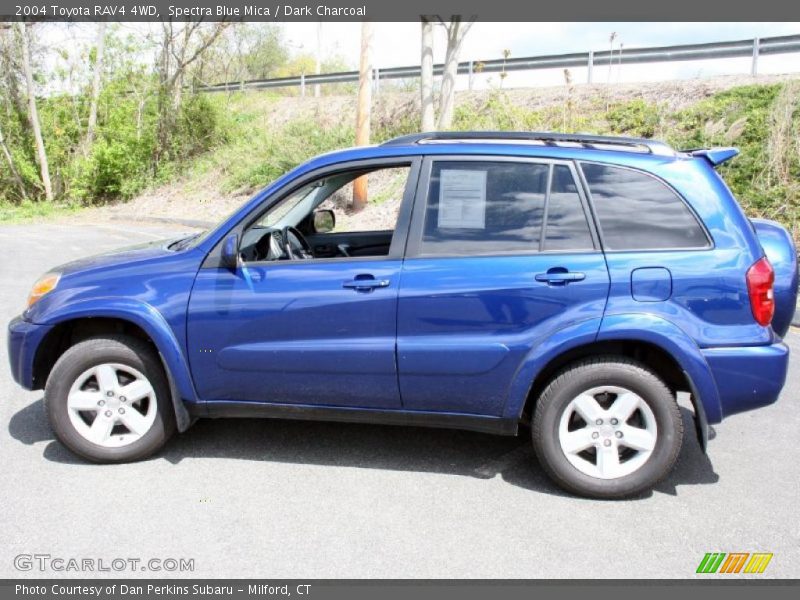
675	342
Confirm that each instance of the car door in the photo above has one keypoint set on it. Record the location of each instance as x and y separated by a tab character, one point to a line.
501	254
310	332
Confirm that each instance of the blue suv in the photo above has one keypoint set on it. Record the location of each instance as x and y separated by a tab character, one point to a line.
571	284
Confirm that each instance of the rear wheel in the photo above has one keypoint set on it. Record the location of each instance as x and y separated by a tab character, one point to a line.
607	427
107	400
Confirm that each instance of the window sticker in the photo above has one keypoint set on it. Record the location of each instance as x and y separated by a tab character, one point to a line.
462	199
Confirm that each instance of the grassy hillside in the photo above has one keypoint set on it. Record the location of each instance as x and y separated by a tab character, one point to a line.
265	136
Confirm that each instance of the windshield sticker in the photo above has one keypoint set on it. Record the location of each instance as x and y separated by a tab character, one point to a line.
462	199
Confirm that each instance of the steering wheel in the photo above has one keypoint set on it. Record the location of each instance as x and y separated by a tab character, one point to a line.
301	250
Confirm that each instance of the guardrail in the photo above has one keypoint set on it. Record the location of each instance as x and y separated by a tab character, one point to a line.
739	48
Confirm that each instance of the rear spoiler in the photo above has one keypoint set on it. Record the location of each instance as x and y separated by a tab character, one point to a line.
716	156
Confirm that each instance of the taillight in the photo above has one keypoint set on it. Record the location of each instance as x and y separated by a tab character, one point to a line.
760	278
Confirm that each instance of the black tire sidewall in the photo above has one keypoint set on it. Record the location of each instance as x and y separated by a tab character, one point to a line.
634	378
92	352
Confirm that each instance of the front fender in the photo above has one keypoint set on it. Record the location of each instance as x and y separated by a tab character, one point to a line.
675	342
152	322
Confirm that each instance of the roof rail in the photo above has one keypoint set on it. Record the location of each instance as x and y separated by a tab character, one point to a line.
603	142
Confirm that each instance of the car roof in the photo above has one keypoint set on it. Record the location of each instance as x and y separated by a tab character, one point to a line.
615	150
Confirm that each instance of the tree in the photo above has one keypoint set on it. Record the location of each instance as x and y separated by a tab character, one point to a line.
456	31
426	76
96	81
180	48
11	167
33	113
364	109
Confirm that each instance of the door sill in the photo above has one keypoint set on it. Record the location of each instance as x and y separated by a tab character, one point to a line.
303	412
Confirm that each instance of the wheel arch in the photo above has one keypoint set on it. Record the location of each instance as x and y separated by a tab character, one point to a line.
70	327
656	343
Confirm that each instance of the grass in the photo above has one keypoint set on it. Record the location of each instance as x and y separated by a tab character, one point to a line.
30	211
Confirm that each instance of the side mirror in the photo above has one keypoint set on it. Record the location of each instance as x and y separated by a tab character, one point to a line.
324	220
230	252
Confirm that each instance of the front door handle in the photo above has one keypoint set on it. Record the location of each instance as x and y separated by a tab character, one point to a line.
365	283
560	277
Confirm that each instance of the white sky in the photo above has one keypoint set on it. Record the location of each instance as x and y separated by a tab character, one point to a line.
398	44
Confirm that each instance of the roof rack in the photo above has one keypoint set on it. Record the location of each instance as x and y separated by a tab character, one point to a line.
596	142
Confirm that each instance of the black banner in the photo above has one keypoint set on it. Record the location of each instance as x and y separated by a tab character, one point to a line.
240	589
407	10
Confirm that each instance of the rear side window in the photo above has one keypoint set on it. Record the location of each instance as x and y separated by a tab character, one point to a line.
639	212
567	227
477	207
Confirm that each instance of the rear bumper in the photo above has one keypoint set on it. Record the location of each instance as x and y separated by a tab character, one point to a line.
23	341
748	377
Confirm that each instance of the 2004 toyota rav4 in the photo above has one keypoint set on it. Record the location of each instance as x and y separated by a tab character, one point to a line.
573	283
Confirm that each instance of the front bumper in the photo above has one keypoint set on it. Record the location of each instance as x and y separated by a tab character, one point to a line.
748	377
24	338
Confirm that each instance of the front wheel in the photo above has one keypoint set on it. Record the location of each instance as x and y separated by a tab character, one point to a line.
108	400
607	427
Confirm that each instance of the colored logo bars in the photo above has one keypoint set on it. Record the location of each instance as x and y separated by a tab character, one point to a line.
734	562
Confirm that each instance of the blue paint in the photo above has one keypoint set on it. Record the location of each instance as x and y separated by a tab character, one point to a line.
651	284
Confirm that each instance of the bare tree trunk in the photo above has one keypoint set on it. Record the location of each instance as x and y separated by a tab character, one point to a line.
33	114
426	76
12	168
364	109
456	31
96	81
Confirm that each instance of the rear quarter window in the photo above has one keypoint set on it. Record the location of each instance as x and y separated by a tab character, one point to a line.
638	212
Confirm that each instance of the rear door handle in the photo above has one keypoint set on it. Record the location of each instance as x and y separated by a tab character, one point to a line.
553	277
365	283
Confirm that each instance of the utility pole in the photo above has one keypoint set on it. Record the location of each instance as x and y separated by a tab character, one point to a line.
363	110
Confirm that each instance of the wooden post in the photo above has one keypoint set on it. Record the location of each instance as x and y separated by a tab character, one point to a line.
363	110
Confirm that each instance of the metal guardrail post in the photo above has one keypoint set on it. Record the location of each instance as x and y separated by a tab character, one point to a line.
376	74
590	67
754	65
471	73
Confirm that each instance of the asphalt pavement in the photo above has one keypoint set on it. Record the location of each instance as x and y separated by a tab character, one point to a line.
273	499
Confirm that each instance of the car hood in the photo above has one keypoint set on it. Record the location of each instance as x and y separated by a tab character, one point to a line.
129	254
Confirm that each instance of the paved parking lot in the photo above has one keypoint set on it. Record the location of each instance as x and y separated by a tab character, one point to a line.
295	499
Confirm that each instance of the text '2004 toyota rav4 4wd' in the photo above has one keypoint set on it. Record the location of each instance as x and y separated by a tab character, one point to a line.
571	283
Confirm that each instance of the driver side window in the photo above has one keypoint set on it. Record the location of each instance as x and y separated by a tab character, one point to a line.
321	219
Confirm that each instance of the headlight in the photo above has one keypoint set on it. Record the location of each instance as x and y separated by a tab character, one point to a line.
46	283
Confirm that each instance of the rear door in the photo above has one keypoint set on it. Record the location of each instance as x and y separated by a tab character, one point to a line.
500	255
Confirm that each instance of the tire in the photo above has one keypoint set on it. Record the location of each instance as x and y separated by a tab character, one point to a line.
87	407
579	455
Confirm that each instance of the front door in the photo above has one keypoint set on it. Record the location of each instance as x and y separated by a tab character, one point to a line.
308	329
